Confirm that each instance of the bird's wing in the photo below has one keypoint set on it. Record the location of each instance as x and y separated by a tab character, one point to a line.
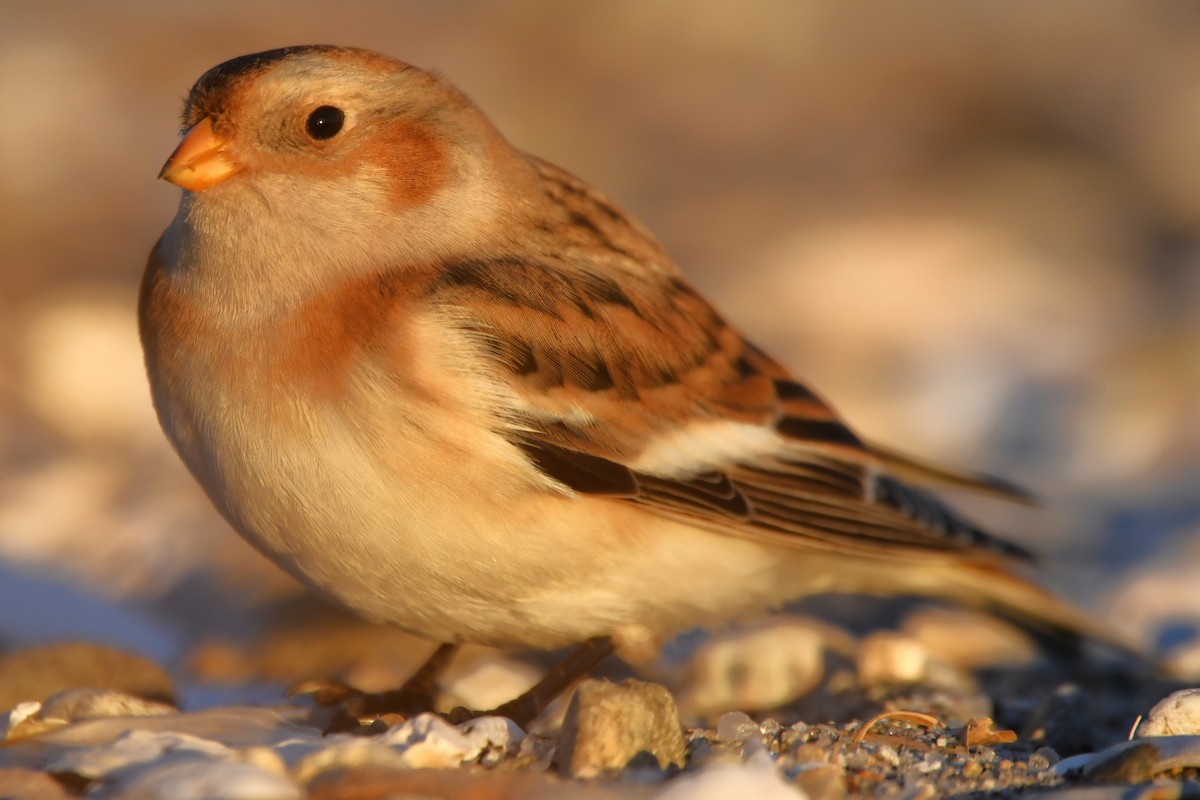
628	384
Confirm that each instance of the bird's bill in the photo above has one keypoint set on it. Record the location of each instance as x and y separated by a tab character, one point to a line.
200	161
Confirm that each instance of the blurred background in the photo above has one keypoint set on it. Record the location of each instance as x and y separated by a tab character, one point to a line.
975	229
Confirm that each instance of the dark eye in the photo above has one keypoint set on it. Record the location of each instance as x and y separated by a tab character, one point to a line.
324	122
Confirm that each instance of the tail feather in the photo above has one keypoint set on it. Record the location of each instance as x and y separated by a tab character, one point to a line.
914	470
1051	618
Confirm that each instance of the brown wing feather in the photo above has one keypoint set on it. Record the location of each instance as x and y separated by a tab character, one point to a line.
609	352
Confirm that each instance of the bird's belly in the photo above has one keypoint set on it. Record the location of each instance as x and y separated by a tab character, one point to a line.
448	546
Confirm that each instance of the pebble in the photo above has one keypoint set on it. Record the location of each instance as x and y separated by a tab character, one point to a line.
428	741
736	727
1177	714
74	705
754	670
492	735
204	779
1142	758
821	781
607	725
20	783
756	778
38	672
21	720
969	639
375	783
424	742
888	657
133	747
348	753
77	705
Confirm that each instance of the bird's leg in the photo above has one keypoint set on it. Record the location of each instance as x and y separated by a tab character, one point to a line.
417	694
526	708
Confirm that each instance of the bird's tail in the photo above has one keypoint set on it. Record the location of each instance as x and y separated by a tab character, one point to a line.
1054	620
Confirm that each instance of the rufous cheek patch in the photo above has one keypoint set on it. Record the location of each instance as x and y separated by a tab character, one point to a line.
415	162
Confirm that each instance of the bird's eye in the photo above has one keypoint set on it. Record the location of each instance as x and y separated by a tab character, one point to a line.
324	122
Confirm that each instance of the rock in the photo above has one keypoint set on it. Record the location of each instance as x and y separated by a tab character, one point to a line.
756	778
375	783
38	672
76	705
608	725
204	779
347	753
1142	759
968	639
18	783
756	670
488	735
23	719
133	747
736	727
480	677
424	742
887	657
427	740
822	781
1177	714
1133	763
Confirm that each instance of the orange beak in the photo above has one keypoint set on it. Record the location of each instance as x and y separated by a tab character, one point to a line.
200	161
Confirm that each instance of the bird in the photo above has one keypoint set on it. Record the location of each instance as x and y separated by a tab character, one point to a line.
454	388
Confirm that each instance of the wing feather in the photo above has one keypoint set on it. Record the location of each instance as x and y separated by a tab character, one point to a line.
625	383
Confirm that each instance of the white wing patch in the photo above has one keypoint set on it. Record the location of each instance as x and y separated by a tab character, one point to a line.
702	447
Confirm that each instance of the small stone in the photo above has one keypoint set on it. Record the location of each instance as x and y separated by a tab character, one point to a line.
822	781
1175	715
887	657
491	734
1071	765
1139	759
735	727
378	783
921	791
1043	758
38	672
351	754
76	705
771	728
133	747
202	779
969	639
484	678
723	780
811	753
607	725
1128	764
19	783
428	741
932	762
887	755
755	670
22	719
